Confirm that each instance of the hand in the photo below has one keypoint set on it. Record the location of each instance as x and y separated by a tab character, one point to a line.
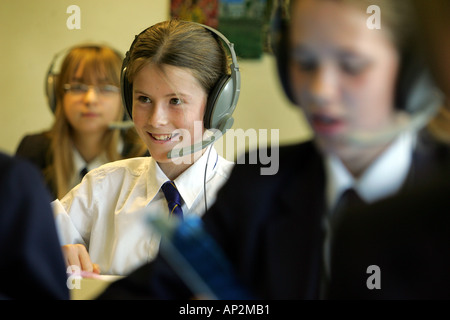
77	255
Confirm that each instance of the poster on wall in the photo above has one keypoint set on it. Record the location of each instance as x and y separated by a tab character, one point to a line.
244	22
201	11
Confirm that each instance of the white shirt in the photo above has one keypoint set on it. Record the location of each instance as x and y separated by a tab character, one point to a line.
384	177
103	211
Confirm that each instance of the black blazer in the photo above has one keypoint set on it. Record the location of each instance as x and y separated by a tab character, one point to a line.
31	263
35	148
407	237
270	227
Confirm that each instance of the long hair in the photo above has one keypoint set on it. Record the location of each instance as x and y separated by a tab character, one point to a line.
99	62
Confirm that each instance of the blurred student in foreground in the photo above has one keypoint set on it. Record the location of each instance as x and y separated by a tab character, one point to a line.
398	248
32	264
84	96
352	83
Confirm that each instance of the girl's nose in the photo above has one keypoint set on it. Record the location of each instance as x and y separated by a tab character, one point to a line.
91	96
324	84
158	116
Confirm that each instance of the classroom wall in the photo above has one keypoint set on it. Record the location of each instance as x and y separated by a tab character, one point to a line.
32	32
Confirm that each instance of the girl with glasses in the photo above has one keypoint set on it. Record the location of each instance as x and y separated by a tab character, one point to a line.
85	99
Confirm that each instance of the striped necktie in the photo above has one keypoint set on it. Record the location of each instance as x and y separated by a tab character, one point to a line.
173	199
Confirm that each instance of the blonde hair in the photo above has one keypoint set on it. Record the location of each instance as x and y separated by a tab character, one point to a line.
98	61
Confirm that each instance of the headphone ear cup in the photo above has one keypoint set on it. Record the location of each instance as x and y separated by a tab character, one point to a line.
220	103
126	88
50	91
279	43
282	59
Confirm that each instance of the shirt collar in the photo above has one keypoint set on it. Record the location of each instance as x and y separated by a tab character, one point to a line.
383	177
79	163
155	179
190	183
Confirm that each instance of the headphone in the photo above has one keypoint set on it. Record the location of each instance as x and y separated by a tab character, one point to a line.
221	102
415	92
52	77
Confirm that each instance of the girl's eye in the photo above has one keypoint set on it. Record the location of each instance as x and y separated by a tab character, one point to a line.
306	63
175	101
144	99
354	67
304	59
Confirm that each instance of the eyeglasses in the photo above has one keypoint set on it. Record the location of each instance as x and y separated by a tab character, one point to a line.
81	88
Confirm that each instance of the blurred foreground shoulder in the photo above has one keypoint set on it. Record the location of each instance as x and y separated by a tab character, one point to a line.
29	246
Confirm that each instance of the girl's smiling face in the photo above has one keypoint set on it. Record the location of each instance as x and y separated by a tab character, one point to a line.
168	103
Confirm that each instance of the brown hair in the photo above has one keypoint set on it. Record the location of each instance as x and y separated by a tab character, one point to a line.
182	44
99	62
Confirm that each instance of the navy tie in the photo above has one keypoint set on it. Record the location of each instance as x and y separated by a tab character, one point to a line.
173	199
83	172
348	200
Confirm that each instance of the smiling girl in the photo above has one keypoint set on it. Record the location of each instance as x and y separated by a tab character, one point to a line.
172	68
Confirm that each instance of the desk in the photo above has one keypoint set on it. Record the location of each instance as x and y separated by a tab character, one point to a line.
89	288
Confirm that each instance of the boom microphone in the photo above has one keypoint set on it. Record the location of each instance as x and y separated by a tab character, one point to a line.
121	124
226	124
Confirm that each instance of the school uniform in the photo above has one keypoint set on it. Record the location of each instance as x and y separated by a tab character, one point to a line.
104	212
31	264
271	227
36	148
396	249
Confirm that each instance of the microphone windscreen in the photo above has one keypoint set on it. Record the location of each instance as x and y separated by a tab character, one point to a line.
215	134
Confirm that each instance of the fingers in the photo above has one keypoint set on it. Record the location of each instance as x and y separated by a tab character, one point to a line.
96	268
77	255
